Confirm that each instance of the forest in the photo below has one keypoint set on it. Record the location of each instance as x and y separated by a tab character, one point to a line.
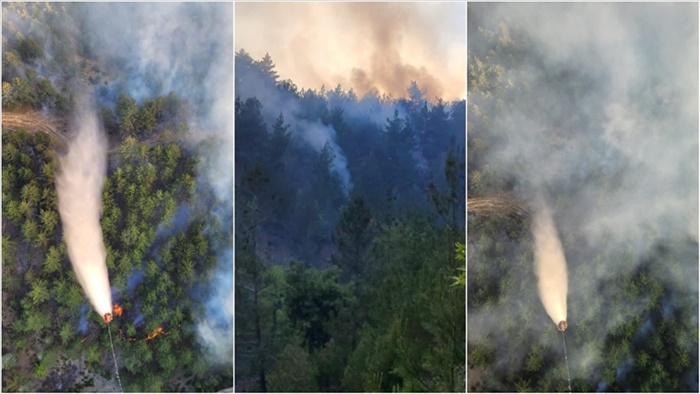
613	150
167	231
349	217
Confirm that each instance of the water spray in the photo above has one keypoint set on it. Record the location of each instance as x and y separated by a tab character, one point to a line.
551	271
79	189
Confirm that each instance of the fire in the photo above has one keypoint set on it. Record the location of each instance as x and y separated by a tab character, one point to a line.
155	333
118	309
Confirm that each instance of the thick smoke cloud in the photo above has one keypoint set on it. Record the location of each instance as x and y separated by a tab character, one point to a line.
79	189
602	118
364	46
636	116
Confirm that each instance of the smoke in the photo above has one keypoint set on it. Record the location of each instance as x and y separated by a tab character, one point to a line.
550	265
216	331
318	135
79	189
134	279
592	122
364	46
595	105
83	323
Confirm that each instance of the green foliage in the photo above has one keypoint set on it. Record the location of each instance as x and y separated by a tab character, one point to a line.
353	236
40	371
127	113
293	372
37	320
312	299
461	256
40	291
140	199
8	361
382	316
29	49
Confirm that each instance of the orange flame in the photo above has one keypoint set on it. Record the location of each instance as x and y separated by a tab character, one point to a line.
155	333
118	309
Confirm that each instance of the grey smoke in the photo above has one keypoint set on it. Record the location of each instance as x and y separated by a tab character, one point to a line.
317	135
615	149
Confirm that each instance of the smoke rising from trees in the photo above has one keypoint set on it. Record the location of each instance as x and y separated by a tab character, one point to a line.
79	188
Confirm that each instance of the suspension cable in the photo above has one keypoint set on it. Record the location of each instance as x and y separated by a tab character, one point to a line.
116	367
563	336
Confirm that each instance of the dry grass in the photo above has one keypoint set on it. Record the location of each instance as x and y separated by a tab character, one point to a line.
32	122
501	205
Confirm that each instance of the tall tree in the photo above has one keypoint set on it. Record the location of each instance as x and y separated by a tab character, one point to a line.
353	236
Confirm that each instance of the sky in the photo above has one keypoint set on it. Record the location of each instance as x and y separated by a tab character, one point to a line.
361	46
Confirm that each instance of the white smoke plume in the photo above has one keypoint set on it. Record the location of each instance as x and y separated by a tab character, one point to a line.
550	265
317	135
79	188
215	331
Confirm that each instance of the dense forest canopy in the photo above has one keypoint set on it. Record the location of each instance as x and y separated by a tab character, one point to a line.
604	128
348	213
166	212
